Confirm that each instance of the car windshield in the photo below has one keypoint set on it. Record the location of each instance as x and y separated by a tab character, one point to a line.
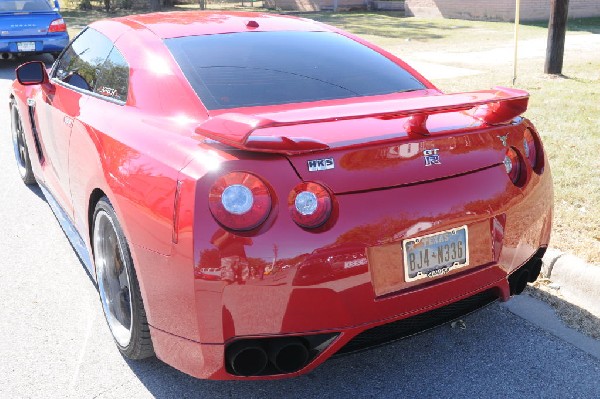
267	68
24	6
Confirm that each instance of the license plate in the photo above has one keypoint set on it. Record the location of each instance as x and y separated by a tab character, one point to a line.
26	46
435	254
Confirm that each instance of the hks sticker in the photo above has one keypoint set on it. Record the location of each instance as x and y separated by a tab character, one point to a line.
320	164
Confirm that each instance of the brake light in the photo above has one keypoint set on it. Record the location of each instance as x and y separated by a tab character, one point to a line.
240	201
58	25
530	147
513	165
310	204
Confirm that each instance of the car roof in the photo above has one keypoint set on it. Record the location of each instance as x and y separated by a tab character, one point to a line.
168	25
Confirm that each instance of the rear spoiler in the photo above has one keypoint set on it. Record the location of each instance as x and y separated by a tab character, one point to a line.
497	106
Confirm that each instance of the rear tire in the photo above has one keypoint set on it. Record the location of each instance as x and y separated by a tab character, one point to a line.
118	285
20	146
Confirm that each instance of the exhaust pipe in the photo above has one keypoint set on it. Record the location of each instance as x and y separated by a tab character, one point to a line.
288	355
247	358
7	56
535	267
518	281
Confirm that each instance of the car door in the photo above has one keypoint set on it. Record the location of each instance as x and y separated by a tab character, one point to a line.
111	91
73	79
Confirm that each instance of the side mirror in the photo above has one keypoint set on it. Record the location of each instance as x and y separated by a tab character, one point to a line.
32	73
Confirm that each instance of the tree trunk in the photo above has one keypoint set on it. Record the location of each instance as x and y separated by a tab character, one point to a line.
557	29
202	4
107	5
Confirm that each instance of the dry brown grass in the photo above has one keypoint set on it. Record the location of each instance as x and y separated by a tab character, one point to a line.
571	314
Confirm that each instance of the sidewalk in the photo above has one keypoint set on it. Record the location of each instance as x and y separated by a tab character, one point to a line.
577	281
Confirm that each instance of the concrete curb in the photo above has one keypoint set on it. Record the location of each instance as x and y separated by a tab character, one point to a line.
577	280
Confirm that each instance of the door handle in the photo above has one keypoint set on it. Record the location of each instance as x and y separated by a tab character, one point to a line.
68	121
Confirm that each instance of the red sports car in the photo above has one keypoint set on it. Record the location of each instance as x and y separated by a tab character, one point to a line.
255	193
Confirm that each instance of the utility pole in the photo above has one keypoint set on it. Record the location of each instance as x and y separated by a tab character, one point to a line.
557	29
516	53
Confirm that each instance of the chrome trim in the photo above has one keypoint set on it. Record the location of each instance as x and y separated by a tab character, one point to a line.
59	82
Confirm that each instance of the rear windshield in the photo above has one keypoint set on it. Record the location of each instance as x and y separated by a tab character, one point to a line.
25	5
268	68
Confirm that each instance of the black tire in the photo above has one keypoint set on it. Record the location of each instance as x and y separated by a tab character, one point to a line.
118	285
20	145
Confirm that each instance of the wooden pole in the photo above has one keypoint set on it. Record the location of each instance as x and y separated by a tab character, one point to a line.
557	29
517	21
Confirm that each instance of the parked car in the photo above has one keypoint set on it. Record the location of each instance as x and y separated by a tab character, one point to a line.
255	193
31	27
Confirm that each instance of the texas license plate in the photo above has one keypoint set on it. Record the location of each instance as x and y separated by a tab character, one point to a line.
26	46
435	254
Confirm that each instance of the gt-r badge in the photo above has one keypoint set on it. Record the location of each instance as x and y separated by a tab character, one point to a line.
432	157
320	164
504	139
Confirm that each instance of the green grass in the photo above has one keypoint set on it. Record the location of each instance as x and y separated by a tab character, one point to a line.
566	110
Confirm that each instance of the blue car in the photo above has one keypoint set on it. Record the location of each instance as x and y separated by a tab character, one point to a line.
31	27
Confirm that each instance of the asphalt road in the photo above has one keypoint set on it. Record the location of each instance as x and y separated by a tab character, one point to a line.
54	342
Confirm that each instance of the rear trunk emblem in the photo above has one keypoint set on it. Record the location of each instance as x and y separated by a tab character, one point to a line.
432	157
320	164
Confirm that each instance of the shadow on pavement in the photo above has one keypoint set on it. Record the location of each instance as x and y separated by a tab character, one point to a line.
466	360
34	188
7	67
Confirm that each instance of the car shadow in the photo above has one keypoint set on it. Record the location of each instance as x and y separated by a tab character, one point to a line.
37	190
34	188
467	357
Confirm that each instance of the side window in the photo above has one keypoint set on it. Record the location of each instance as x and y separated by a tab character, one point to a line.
79	64
113	77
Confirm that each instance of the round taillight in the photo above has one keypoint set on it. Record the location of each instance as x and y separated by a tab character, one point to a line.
530	148
239	201
310	204
512	164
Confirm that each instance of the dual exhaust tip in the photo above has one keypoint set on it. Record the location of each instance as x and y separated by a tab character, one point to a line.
7	56
266	357
528	273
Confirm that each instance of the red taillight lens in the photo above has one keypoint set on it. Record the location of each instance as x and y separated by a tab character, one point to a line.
530	148
512	163
240	201
310	204
58	25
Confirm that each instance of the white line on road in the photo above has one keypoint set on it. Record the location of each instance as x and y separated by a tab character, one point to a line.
88	333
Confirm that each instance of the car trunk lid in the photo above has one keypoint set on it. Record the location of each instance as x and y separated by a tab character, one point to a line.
381	144
18	24
404	160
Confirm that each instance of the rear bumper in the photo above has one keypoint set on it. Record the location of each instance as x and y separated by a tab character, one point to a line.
53	43
266	292
208	360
